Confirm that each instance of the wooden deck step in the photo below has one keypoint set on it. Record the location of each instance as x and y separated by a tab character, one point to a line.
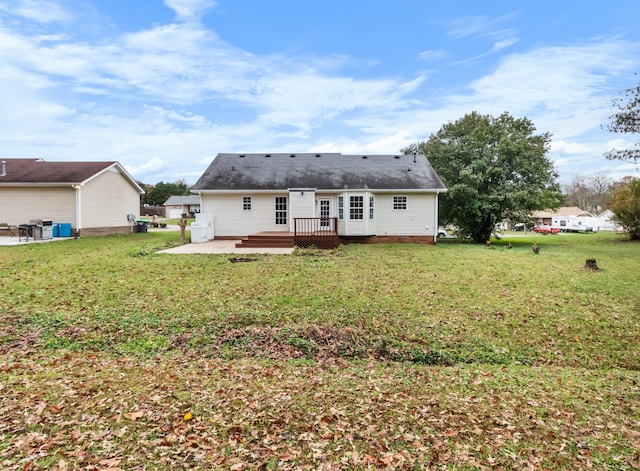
267	241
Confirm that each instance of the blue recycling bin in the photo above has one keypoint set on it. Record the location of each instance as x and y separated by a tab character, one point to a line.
56	229
64	229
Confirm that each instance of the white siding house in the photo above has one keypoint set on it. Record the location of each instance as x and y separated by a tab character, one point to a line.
93	197
377	197
176	206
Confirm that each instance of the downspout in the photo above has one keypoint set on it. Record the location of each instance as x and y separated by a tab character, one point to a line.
78	208
436	216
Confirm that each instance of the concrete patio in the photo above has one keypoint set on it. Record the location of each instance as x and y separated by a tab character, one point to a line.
224	247
212	247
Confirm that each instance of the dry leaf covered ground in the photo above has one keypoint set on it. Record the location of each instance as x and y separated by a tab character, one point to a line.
368	357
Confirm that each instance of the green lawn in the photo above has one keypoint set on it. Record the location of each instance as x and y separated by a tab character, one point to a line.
456	356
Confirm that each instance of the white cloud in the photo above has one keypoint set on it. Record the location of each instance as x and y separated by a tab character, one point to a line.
564	86
433	55
188	9
389	144
307	100
40	11
469	26
504	43
620	143
480	26
565	147
153	165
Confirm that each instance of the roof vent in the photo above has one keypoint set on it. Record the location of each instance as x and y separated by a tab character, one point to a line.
241	156
365	157
292	155
317	155
267	155
396	156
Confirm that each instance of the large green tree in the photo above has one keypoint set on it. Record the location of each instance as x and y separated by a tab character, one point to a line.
495	169
625	203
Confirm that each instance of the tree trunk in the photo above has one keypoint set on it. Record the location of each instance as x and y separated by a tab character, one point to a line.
183	226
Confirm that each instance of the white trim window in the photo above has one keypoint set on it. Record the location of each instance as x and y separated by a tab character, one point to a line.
400	203
356	207
281	210
371	207
341	207
246	203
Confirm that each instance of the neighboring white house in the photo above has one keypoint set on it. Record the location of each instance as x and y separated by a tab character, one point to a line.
176	206
607	223
378	197
93	197
546	218
574	219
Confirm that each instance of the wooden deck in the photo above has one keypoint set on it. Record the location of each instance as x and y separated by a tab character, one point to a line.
268	239
319	232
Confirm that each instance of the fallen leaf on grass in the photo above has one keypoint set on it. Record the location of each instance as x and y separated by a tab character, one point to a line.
188	416
134	415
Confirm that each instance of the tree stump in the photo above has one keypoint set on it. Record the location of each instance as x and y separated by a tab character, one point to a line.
591	264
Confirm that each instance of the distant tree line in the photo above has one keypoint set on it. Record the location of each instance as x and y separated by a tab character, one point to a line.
590	193
160	192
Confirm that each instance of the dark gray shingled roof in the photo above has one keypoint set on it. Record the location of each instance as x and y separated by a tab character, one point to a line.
321	171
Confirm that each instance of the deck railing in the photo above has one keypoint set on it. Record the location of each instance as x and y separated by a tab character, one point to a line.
321	232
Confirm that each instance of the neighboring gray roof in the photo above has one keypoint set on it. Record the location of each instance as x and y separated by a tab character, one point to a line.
182	200
321	171
39	172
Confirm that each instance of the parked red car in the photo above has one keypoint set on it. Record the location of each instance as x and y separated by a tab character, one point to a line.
546	230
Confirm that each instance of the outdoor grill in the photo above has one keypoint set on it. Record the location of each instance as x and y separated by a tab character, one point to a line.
37	229
46	229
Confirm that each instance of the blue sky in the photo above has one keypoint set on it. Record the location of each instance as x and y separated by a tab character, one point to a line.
163	86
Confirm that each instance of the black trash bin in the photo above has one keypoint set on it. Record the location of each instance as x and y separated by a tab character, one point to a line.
142	226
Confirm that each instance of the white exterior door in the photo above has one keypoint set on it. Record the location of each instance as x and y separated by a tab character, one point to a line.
324	212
